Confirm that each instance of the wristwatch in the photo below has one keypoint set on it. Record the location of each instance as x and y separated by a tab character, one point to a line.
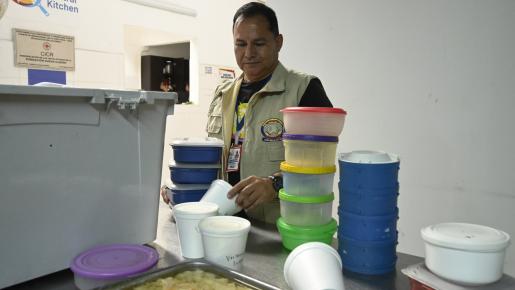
277	182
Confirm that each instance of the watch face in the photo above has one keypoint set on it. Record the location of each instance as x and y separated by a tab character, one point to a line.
278	182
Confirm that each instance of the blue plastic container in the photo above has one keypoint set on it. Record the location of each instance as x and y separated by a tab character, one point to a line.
184	173
368	202
368	169
367	257
190	196
343	186
368	228
197	150
180	193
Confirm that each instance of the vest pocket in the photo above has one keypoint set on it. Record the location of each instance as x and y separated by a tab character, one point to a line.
214	117
214	124
275	151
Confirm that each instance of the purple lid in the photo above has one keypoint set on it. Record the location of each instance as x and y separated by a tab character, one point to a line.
310	138
114	261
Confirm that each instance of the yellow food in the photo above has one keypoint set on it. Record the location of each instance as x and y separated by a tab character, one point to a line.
192	280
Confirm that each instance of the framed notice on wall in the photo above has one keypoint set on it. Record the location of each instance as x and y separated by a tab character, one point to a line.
34	49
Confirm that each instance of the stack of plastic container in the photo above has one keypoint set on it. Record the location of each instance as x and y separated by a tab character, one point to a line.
308	173
195	165
368	213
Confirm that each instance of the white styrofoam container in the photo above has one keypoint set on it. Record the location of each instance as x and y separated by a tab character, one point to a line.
79	168
464	253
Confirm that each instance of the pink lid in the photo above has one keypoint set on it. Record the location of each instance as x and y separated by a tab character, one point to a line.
315	110
114	261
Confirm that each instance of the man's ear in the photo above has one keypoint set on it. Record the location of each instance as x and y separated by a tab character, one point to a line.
279	42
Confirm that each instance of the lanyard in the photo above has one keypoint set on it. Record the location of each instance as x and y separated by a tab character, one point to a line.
239	124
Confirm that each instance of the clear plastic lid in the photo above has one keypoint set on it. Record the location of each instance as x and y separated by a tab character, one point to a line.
114	261
198	141
368	157
464	236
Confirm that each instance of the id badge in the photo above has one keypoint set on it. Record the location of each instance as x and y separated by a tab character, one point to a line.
233	161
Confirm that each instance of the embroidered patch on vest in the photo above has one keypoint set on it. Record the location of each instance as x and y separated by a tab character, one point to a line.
272	130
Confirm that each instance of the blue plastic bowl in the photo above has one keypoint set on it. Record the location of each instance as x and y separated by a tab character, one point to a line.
363	202
369	176
196	154
390	190
193	175
367	257
368	228
180	196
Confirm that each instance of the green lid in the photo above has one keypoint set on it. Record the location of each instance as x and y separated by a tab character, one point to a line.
305	199
329	228
294	236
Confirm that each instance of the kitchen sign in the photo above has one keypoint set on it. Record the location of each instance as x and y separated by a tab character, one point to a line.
34	49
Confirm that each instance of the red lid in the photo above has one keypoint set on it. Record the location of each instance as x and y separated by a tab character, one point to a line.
315	110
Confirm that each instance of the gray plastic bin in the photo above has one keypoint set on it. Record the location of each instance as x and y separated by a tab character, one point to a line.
78	168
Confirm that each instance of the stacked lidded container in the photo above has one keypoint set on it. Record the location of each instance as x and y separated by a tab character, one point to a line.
195	165
308	173
368	213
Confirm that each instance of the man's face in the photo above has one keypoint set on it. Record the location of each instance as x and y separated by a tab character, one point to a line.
255	47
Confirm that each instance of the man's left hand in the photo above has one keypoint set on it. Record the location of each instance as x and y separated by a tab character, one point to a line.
253	191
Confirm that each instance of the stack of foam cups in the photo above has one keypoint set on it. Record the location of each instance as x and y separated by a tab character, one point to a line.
308	171
368	213
195	164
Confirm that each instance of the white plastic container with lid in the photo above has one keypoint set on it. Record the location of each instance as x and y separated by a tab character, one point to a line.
307	180
224	239
465	253
187	217
306	210
314	120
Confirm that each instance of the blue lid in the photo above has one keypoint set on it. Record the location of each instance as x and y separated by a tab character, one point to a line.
314	138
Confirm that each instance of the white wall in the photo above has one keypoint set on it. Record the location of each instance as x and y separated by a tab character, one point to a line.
433	81
175	50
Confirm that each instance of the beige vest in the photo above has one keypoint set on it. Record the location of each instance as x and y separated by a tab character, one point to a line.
263	148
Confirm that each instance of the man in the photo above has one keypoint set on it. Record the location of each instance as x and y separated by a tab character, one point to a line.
245	113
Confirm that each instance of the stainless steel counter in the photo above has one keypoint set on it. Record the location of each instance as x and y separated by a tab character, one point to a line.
264	259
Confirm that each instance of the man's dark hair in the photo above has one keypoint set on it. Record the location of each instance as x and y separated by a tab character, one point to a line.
255	8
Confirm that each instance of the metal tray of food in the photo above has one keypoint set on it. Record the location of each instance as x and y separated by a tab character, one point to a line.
198	264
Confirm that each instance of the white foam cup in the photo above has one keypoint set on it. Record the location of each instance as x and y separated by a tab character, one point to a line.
217	193
224	239
187	217
314	266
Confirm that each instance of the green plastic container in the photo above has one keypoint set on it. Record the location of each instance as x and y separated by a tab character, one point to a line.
293	236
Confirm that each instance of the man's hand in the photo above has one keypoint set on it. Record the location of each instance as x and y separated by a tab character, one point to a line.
253	191
162	191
